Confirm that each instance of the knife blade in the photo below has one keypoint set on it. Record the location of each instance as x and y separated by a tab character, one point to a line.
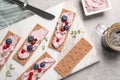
39	12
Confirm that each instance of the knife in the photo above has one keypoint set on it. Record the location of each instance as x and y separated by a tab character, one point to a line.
39	12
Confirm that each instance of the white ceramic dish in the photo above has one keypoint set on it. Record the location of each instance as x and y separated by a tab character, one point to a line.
97	11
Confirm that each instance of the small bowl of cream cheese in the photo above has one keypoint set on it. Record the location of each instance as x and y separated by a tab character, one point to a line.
95	6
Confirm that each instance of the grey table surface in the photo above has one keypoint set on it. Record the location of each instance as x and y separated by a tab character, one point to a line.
109	66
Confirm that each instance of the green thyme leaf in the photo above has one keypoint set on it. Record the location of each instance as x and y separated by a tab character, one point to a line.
74	36
11	67
78	31
46	39
8	73
43	47
75	33
71	33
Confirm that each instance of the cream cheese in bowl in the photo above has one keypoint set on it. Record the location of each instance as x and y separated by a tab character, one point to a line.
95	6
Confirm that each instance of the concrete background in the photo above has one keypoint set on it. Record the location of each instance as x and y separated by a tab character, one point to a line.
109	66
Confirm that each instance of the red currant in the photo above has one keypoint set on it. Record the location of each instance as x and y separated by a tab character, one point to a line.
35	39
33	42
62	29
66	22
31	73
57	40
29	78
39	70
23	50
6	46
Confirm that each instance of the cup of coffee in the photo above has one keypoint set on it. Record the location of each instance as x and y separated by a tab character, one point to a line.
111	36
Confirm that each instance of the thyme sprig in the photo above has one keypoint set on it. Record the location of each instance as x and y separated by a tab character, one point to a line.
75	33
43	46
9	71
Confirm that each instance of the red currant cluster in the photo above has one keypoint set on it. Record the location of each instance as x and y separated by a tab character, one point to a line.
31	74
32	41
38	68
63	28
64	20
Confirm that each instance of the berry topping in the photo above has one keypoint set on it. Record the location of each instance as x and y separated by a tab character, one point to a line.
64	18
57	40
23	50
62	29
66	27
66	23
39	70
6	46
33	42
35	39
29	48
42	64
36	66
31	73
30	38
8	41
29	78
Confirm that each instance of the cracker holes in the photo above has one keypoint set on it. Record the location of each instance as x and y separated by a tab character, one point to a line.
81	54
74	63
65	71
63	65
85	50
79	48
77	58
69	67
58	68
71	57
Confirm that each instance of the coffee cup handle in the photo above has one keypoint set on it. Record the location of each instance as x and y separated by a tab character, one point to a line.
101	28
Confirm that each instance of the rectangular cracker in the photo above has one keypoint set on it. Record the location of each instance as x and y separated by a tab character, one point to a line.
42	57
74	56
8	34
62	45
24	61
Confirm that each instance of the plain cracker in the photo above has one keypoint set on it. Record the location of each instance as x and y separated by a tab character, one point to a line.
74	56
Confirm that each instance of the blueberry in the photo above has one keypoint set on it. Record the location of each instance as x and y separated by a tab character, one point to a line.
8	41
30	38
29	48
42	64
66	27
64	18
36	66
